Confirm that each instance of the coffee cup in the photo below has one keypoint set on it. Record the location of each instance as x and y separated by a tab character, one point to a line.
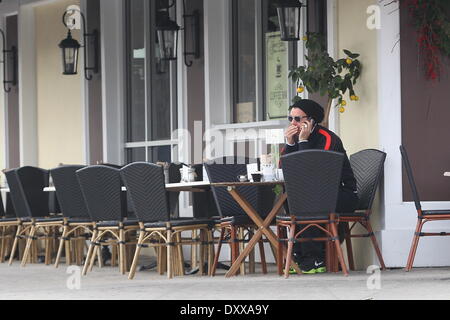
256	177
242	178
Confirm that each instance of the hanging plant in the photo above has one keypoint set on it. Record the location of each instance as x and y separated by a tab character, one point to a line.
432	21
326	76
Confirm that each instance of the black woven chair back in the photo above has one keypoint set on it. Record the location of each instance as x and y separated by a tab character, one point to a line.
224	170
101	187
69	192
27	191
146	189
367	166
409	173
203	203
312	179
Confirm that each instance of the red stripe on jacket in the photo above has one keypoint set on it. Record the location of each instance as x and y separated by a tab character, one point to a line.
327	137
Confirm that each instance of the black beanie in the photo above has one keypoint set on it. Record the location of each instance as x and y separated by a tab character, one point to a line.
311	108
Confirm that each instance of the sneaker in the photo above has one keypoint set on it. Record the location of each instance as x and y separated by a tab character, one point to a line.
318	266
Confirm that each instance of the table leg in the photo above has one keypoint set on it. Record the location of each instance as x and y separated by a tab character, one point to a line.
262	224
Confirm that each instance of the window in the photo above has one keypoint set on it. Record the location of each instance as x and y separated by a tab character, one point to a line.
151	88
261	62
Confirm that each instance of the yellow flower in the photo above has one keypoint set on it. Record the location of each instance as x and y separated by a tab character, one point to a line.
356	98
300	89
343	103
353	97
341	109
349	61
305	38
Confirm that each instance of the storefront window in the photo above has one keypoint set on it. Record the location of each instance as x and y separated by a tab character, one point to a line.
261	62
151	90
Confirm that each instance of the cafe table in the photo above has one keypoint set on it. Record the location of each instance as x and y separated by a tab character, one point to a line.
263	225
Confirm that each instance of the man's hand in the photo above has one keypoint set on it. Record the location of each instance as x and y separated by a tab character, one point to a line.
290	134
305	130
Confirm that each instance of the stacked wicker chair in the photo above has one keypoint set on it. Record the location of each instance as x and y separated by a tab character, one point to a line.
146	189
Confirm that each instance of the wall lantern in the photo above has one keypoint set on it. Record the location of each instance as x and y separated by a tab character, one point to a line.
13	54
289	19
167	33
70	47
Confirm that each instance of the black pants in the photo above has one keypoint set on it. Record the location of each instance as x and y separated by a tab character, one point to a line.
315	250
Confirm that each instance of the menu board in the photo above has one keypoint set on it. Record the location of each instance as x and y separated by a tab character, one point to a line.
276	76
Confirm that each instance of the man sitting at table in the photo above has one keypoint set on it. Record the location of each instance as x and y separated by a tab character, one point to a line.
304	133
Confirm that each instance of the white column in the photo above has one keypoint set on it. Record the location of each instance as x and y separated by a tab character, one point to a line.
28	89
217	61
113	75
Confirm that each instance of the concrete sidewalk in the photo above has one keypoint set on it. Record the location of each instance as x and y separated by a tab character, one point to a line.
45	282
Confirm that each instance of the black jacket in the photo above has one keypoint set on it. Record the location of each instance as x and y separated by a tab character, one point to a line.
324	139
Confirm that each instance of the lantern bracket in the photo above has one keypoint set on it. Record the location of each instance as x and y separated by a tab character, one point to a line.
88	70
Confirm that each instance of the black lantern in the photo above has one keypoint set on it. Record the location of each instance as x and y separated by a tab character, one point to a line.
13	55
69	49
167	32
289	19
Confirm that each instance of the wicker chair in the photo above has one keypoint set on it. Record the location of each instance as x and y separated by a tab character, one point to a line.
145	186
233	221
423	216
101	187
77	222
312	180
31	206
367	166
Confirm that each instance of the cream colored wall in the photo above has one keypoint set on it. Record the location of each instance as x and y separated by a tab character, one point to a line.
59	107
359	123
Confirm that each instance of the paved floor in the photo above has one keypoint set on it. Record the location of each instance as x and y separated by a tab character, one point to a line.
45	282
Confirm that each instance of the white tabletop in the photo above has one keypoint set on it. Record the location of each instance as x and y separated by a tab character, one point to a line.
168	186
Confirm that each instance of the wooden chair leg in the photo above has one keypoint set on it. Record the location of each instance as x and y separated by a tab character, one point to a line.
121	251
89	253
280	235
194	249
15	244
339	252
233	244
202	250
348	243
368	226
28	246
289	251
180	254
415	243
162	259
169	254
240	248
136	255
210	250
217	255
251	256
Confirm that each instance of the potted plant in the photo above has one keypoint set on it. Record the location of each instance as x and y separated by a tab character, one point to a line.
326	76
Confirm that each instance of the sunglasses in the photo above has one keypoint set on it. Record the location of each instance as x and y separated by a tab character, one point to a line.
298	119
